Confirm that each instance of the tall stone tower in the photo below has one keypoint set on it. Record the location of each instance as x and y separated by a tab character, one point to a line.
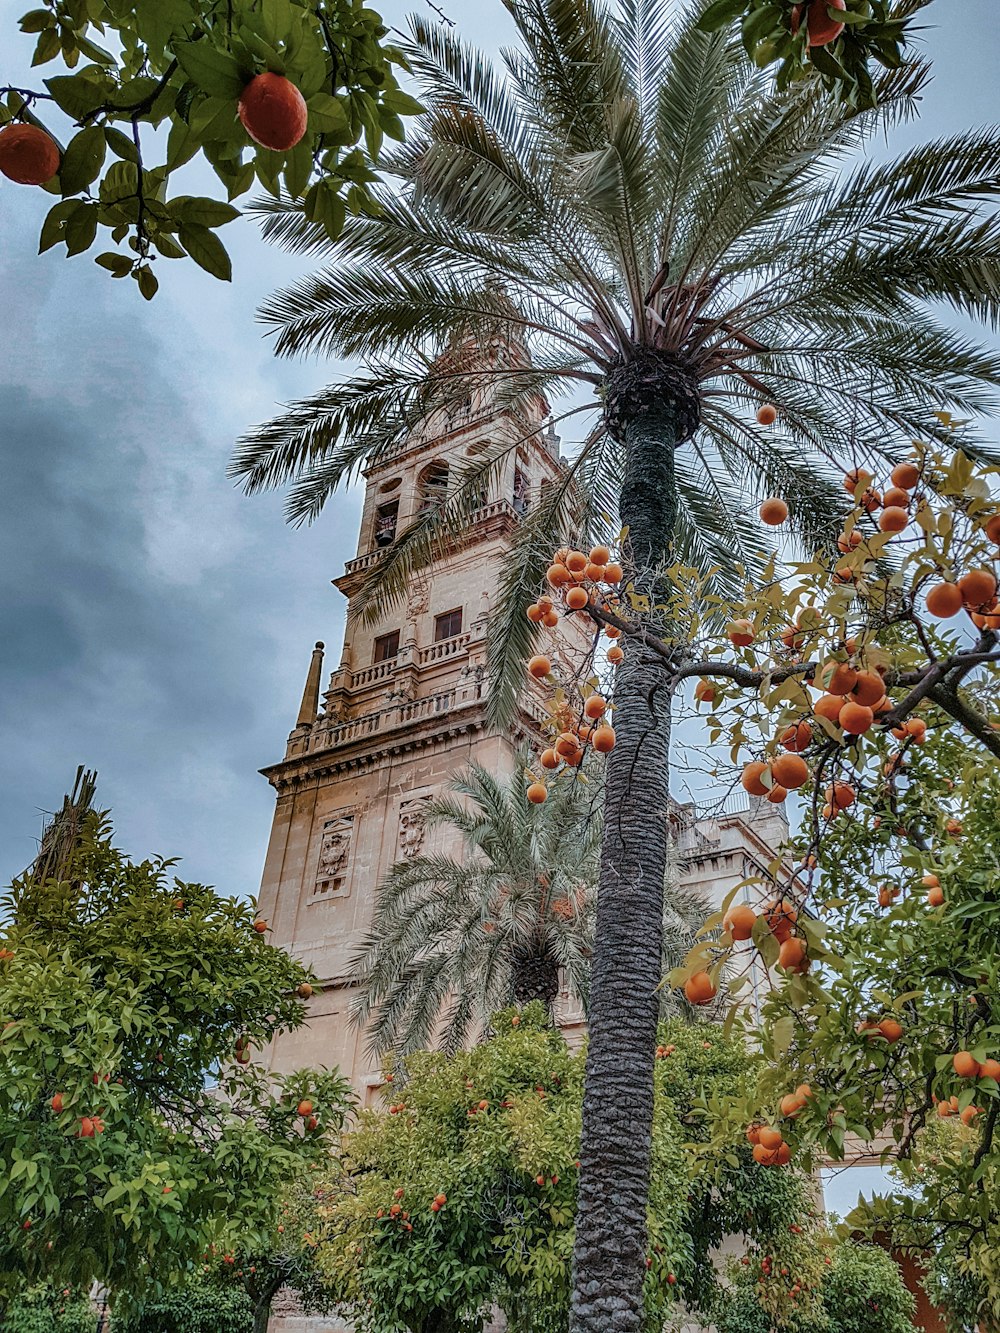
404	711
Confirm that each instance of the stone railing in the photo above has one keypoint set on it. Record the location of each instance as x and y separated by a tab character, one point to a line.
437	652
365	561
369	675
405	713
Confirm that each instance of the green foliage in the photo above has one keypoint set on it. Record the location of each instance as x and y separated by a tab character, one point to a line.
182	65
496	1130
859	1289
197	1307
46	1309
131	1135
874	31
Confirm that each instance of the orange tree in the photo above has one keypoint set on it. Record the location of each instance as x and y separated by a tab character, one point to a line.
461	1192
296	94
835	39
135	1130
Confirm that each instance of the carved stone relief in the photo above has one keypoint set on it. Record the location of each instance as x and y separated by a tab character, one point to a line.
412	813
334	854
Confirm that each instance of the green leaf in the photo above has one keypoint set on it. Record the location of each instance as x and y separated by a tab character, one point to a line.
182	144
82	160
52	227
202	212
207	251
121	145
77	94
81	229
402	104
146	279
47	47
327	115
213	71
116	264
720	13
36	20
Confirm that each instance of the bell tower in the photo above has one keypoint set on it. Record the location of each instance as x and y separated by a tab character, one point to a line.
404	710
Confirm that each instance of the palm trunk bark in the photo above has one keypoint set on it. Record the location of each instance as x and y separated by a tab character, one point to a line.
610	1246
535	977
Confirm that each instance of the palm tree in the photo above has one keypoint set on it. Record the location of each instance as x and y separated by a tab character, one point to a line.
462	936
639	209
493	926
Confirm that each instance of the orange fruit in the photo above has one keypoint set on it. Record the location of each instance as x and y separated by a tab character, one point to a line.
780	917
917	728
935	896
797	737
855	478
895	497
791	1105
840	795
604	739
28	156
549	759
969	1114
905	476
557	575
596	706
751	778
534	613
539	666
566	744
537	793
600	555
893	518
990	1069
944	1110
699	989
550	619
273	112
849	541
855	718
773	512
978	588
793	956
770	1138
821	29
764	1156
613	573
777	794
741	633
790	770
704	692
891	1030
868	689
829	706
993	528
612	632
753	1133
304	1108
739	921
577	599
838	678
767	415
870	500
944	600
576	562
930	881
593	572
615	655
965	1064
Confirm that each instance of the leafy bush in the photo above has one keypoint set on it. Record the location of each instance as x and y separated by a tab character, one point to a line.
196	1308
50	1310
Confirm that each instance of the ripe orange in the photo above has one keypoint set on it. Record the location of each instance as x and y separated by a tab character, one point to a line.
978	588
893	518
993	528
917	728
838	678
612	632
741	633
770	1138
777	794
856	719
599	555
953	828
596	706
704	692
577	599
855	478
549	759
849	541
780	917
557	575
829	706
700	989
604	739
534	613
905	476
576	562
891	1030
773	512
304	991
944	1110
969	1114
935	897
615	655
260	927
539	667
767	415
613	573
797	737
28	156
57	1103
944	600
304	1108
739	921
930	881
965	1064
550	619
793	956
593	572
868	689
751	779
990	1069
273	112
764	1156
753	1133
840	795
791	1105
821	28
537	793
790	770
896	497
566	744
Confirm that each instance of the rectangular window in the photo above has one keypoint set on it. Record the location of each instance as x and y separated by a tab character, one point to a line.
385	523
448	625
386	647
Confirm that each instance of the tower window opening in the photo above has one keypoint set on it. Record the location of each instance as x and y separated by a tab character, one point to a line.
433	484
386	647
447	625
385	523
520	496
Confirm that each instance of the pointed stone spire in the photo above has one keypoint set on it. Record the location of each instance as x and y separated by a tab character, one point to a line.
309	707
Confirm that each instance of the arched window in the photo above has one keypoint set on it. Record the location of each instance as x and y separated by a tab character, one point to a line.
433	484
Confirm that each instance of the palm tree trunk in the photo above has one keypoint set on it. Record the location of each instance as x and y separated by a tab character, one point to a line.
610	1248
535	977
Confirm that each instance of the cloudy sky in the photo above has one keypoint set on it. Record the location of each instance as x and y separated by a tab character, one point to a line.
154	623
